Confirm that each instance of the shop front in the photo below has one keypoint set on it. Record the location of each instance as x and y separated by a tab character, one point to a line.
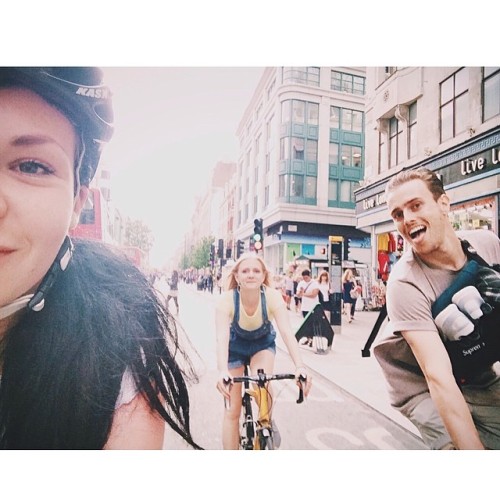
470	177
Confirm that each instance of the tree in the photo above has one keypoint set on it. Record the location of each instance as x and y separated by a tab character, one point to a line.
201	253
138	234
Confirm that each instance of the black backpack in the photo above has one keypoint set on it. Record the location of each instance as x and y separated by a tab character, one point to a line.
470	354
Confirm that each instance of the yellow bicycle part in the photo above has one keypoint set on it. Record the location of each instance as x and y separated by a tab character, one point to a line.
260	395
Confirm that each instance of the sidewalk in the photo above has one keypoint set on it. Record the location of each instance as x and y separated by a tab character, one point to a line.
344	366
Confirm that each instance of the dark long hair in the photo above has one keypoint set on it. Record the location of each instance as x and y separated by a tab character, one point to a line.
63	366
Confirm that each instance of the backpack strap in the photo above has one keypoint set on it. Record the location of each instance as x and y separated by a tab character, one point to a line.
365	352
263	305
472	254
236	298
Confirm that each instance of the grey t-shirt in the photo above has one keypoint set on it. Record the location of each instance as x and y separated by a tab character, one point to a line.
411	290
413	286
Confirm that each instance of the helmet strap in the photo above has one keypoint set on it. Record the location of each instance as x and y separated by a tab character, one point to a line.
15	306
60	264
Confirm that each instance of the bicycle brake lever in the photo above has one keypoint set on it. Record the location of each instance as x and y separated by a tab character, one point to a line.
301	391
301	396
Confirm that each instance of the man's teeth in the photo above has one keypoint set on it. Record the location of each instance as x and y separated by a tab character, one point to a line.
414	232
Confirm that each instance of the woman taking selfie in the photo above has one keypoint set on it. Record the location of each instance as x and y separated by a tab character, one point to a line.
86	349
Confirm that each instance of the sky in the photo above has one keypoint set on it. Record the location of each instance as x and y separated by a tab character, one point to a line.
172	125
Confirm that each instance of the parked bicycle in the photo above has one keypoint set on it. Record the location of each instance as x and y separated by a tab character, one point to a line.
257	434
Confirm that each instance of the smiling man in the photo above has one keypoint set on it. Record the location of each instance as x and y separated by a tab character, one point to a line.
414	359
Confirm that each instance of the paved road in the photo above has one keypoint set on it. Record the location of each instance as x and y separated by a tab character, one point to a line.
330	419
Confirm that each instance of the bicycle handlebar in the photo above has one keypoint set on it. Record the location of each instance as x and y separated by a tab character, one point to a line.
262	378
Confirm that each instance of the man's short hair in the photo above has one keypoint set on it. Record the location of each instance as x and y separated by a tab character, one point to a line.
431	179
306	272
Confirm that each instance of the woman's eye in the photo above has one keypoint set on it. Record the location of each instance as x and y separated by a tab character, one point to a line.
34	167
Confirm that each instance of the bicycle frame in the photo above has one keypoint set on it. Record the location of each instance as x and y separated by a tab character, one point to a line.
258	435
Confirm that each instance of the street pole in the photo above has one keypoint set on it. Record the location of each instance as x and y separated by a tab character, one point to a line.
335	255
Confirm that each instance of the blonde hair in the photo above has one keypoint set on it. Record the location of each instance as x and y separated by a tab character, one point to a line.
348	275
231	279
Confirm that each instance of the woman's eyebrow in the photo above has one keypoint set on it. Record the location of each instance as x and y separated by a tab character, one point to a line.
30	140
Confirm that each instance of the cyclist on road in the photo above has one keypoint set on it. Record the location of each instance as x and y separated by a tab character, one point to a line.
245	334
86	349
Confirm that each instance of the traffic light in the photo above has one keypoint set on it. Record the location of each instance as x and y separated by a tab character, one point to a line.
220	249
212	253
239	248
258	235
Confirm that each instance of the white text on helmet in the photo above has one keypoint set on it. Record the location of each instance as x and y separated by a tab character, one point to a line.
90	92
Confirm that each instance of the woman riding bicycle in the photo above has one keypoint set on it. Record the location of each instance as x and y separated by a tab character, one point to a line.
86	348
245	334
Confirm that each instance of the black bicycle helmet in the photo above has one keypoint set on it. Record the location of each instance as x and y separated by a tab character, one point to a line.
79	93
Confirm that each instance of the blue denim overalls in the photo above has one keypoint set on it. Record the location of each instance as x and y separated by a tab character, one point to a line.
243	344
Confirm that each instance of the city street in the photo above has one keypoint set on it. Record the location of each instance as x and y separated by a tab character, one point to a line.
331	418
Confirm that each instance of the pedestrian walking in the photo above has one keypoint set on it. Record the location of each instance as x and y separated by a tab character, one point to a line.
308	291
349	294
325	291
288	288
173	284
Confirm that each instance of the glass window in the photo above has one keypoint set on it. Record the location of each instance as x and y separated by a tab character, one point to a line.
358	86
461	113
352	120
297	148
454	104
270	90
346	155
297	186
332	189
266	196
491	92
284	150
345	191
310	187
394	141
336	83
334	117
382	153
298	111
412	130
447	121
333	156
312	151
351	156
283	180
303	75
345	82
269	130
286	111
312	113
462	81
357	157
